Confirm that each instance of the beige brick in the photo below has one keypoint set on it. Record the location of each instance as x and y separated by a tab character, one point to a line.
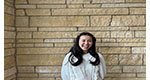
24	35
78	1
63	21
107	44
35	78
8	9
50	75
125	78
46	1
138	50
63	44
9	40
108	40
9	62
137	10
114	69
21	1
25	6
111	59
134	69
140	34
107	1
24	45
131	40
40	59
20	12
25	69
100	20
122	34
92	5
124	5
27	75
75	6
9	46
8	34
48	69
58	40
8	20
141	75
128	21
29	40
90	11
9	72
101	34
51	6
22	21
127	75
114	50
8	52
58	78
135	0
54	34
130	59
138	28
58	29
42	50
132	44
38	12
26	29
102	28
9	28
11	77
44	45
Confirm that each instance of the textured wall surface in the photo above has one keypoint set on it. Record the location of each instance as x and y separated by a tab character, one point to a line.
9	44
46	29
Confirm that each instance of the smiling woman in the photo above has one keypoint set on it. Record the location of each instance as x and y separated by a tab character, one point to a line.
83	62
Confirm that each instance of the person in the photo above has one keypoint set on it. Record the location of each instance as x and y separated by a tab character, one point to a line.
83	62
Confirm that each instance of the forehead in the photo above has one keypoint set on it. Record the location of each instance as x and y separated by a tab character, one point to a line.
85	37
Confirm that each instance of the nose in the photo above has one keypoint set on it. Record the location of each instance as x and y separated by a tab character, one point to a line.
86	42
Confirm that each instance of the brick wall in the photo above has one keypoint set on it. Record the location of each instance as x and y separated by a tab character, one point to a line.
46	29
9	43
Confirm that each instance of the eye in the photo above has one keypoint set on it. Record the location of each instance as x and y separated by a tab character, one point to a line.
89	40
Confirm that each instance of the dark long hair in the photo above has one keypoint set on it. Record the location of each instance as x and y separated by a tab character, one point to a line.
77	52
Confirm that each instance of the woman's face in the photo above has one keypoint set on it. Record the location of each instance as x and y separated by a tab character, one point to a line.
85	42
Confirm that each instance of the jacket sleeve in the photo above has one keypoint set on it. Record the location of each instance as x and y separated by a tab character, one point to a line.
64	69
102	66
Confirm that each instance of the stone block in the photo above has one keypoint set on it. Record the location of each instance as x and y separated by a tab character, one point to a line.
35	78
107	1
75	6
46	1
122	34
27	75
63	44
32	60
43	45
124	5
137	10
48	69
128	21
100	20
8	34
9	62
125	78
9	20
131	40
26	69
78	1
9	10
92	5
22	21
140	34
26	29
9	72
114	50
20	12
60	21
130	59
8	52
101	28
24	35
28	6
42	50
135	1
58	29
51	6
139	50
122	75
141	75
50	75
58	40
114	69
29	40
21	1
24	45
90	11
111	59
35	12
134	69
